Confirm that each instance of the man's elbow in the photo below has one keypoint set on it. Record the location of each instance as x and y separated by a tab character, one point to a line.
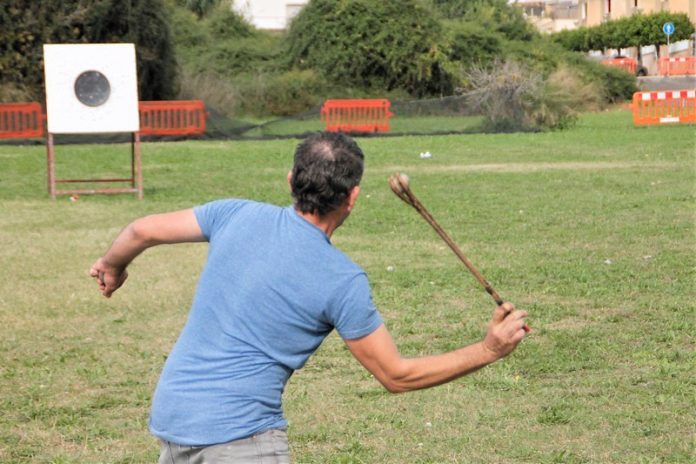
140	231
395	387
397	380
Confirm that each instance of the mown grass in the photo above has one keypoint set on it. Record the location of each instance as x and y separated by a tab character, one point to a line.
591	230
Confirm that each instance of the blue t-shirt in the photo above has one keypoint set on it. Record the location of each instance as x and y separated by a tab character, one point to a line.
272	289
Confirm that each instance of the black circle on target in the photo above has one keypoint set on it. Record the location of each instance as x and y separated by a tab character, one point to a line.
92	88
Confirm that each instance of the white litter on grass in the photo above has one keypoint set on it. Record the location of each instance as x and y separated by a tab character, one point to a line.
428	424
646	257
425	155
390	268
608	261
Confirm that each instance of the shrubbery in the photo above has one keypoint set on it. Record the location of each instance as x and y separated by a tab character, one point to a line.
400	49
496	16
474	44
236	69
391	45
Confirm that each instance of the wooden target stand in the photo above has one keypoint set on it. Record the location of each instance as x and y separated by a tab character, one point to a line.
135	180
92	89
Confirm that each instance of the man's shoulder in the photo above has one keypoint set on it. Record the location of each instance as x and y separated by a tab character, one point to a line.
228	205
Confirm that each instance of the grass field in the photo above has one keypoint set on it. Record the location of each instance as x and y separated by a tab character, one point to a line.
592	230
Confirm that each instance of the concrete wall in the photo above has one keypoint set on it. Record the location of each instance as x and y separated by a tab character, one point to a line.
594	10
684	6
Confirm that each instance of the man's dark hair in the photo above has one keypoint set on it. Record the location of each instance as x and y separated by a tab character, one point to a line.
327	167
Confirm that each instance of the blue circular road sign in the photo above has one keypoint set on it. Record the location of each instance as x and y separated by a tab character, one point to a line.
668	28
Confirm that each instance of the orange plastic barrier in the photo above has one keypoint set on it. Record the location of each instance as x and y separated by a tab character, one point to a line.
185	117
356	115
682	66
21	120
670	107
627	64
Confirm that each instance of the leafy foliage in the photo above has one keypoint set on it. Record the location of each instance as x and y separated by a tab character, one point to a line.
224	43
26	26
200	7
491	15
389	45
472	43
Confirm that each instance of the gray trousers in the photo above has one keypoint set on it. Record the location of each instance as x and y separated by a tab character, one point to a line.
269	447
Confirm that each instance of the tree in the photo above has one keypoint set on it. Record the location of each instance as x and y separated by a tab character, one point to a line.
26	25
631	31
200	7
144	23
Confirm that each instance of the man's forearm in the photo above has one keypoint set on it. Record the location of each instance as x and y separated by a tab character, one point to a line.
429	371
129	243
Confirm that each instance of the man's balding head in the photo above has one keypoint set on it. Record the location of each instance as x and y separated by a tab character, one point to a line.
327	167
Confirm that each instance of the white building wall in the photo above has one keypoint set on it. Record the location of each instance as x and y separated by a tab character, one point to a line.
269	14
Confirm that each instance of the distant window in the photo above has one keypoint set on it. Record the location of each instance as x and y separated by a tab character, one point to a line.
584	11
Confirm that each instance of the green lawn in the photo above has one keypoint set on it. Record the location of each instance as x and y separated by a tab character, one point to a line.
591	229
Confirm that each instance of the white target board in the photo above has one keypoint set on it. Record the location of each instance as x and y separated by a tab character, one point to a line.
91	88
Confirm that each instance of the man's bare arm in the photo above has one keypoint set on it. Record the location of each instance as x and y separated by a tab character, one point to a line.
378	353
175	227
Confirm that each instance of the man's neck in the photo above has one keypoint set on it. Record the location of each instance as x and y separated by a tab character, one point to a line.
327	223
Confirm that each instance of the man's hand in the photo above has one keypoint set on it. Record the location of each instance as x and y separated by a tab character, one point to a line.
108	277
505	330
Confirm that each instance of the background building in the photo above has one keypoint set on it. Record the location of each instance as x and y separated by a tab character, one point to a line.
555	15
269	14
594	12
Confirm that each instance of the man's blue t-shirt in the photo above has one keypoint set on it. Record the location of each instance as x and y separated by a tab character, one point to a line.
272	289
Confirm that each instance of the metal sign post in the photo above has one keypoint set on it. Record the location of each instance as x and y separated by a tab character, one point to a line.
668	29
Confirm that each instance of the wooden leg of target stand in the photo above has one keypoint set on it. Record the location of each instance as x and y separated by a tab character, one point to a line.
51	166
136	165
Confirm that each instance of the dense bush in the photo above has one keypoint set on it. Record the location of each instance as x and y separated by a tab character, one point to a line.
234	67
26	26
613	84
471	43
282	94
199	7
497	16
390	45
224	43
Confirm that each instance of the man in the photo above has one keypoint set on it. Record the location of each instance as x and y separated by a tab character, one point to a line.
272	289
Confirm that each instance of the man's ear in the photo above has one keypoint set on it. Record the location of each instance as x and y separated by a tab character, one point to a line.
353	197
290	179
